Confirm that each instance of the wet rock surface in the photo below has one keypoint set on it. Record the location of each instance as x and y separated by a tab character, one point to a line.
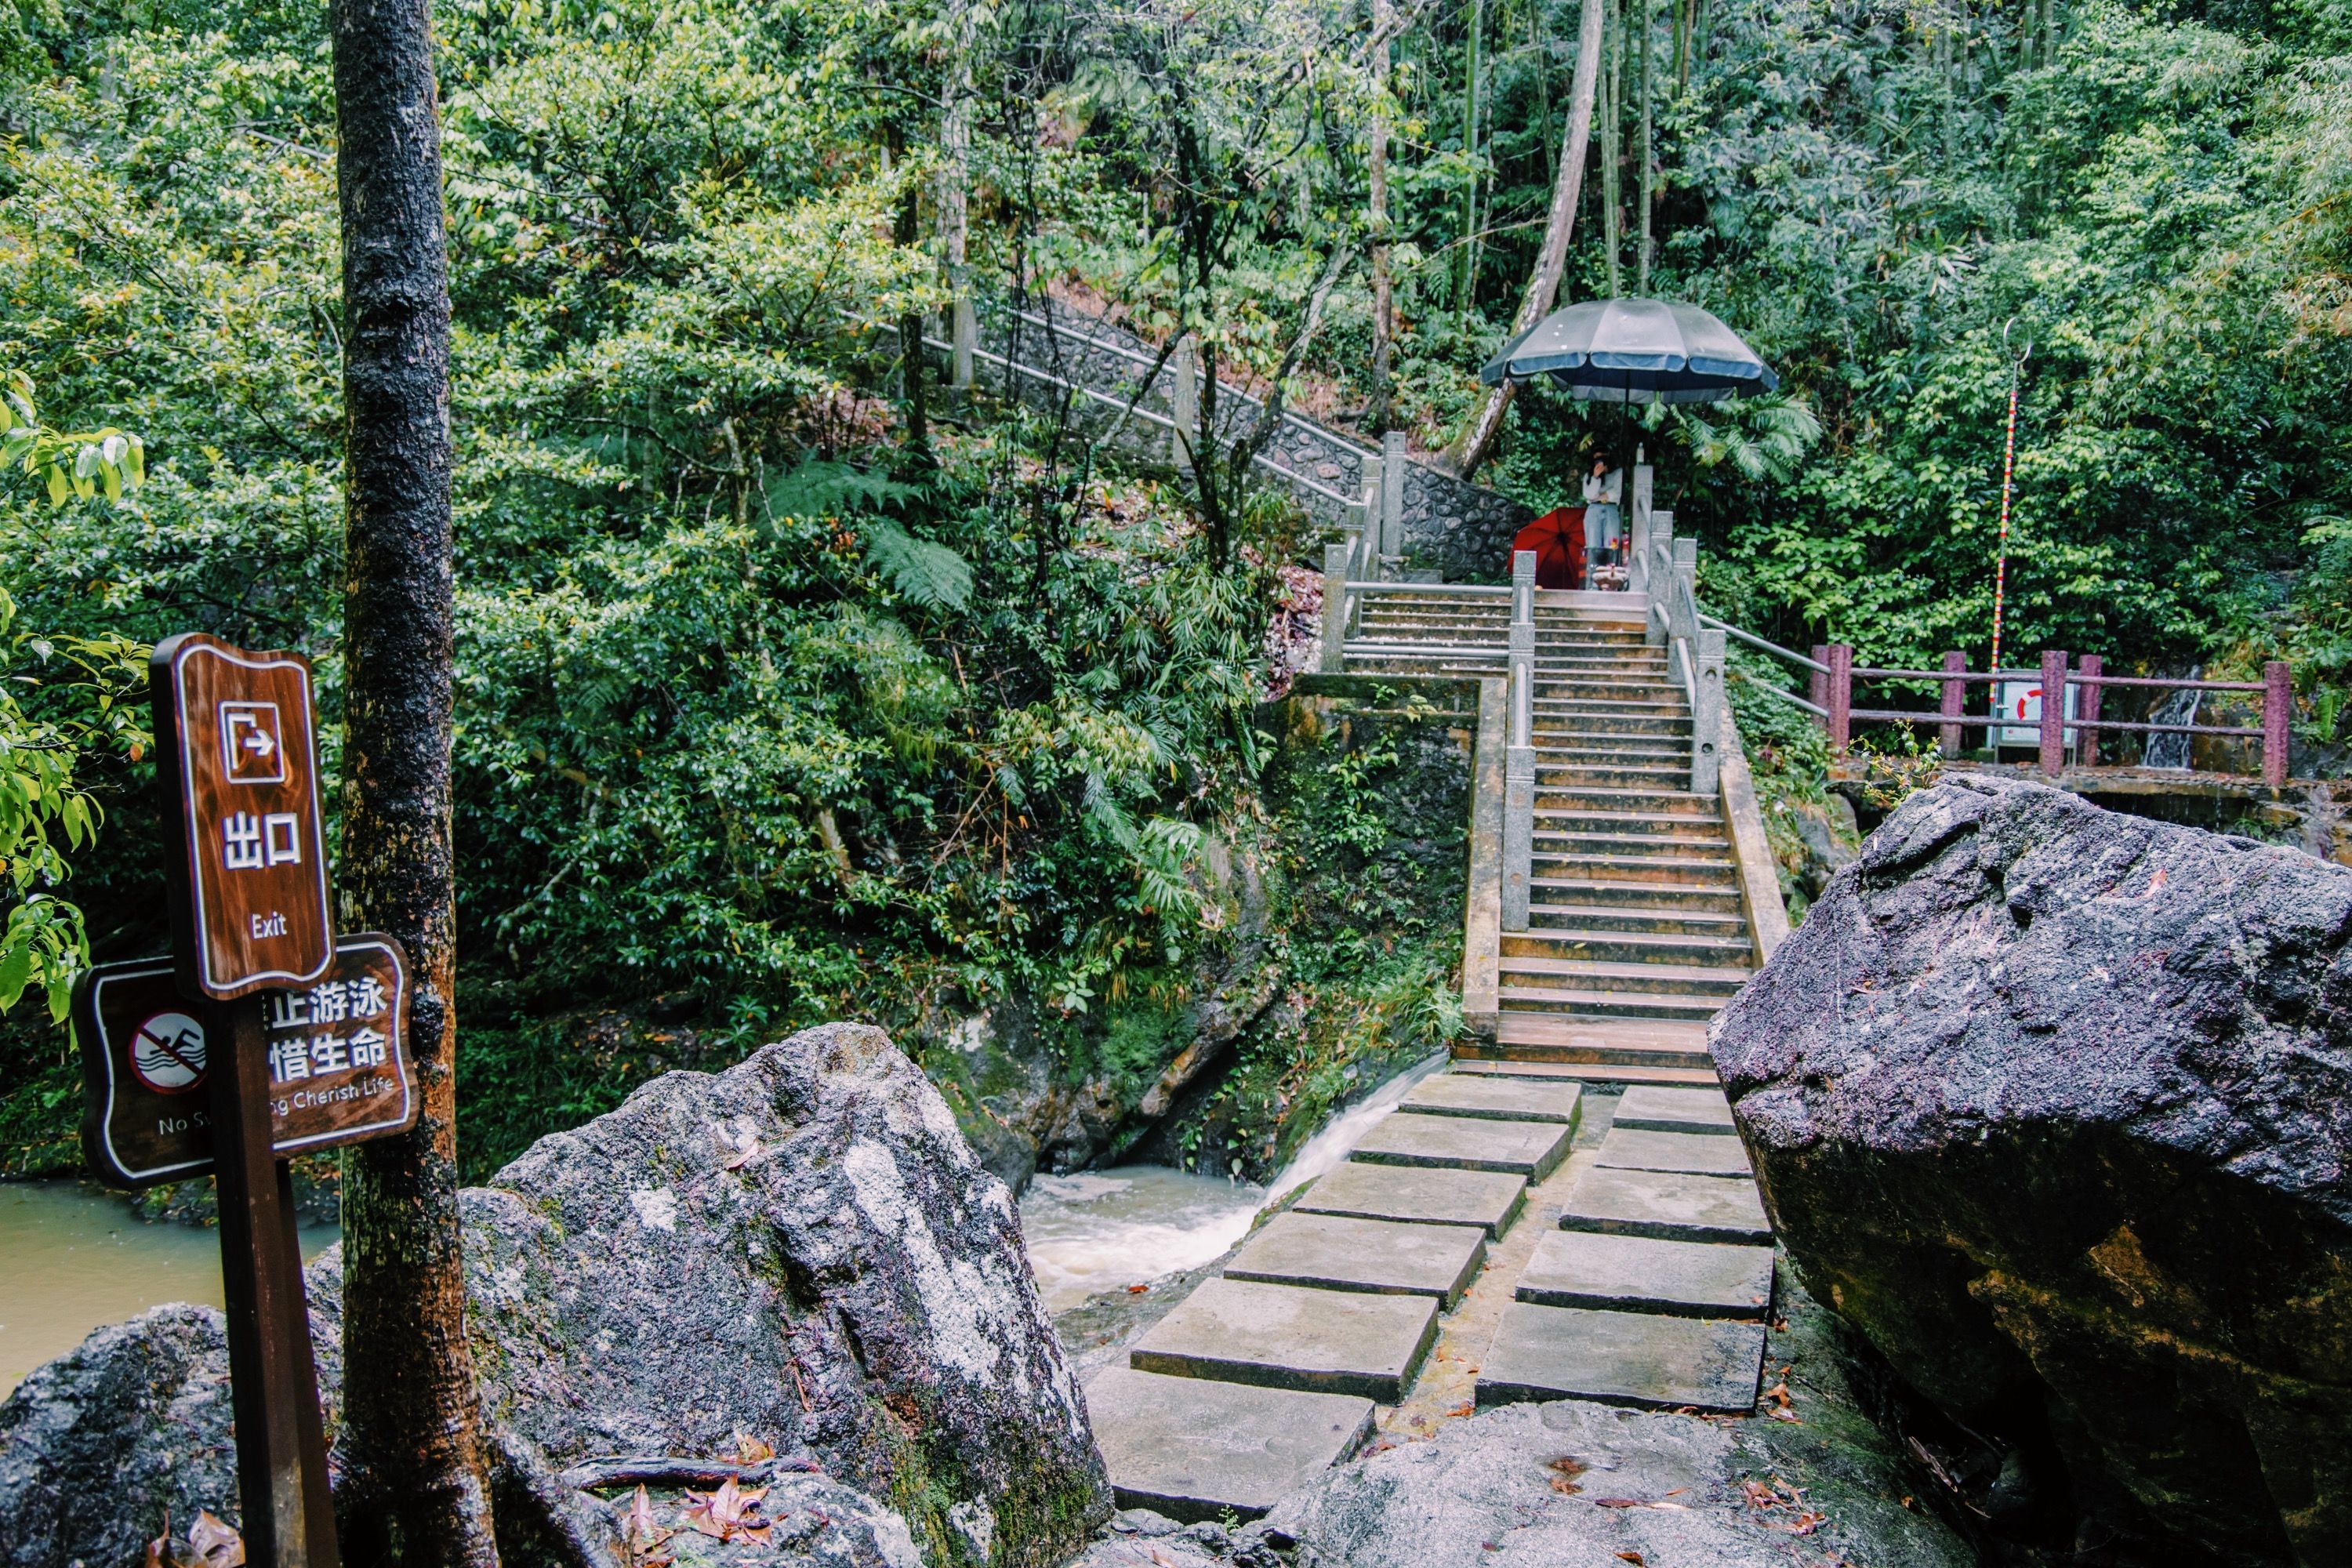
2054	1106
802	1250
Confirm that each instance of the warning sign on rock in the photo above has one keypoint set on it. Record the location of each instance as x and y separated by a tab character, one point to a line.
339	1065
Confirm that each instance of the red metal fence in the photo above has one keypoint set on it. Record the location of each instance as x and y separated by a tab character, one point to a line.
1835	675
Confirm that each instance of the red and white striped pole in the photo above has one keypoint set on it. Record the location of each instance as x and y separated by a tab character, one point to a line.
2008	481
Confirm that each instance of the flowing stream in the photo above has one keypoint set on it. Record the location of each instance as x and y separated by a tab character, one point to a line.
1104	1230
73	1257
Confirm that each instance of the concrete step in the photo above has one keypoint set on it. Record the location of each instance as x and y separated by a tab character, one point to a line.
1528	1150
1635	1359
1590	1075
1384	1257
1700	842
1627	947
1669	1205
1549	871
1618	775
1700	1154
1651	802
1572	743
1638	1274
1656	919
1557	700
1671	756
1579	1003
1662	978
1631	897
1653	1042
1488	1200
1680	825
1452	1094
1281	1336
1193	1449
1674	1111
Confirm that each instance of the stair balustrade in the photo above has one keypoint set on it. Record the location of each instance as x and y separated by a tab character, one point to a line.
1519	749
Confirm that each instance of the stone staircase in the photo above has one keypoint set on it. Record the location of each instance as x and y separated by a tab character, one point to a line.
1636	928
1564	1212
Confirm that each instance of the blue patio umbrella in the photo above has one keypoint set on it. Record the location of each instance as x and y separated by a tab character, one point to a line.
1634	351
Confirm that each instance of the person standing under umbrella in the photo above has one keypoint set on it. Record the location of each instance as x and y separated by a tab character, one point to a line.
1604	530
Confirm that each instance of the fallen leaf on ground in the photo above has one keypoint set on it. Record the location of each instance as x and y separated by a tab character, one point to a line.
1565	1469
1137	1289
729	1512
1632	1557
751	1450
642	1537
214	1544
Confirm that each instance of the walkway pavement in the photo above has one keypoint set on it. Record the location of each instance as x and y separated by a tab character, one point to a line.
1486	1243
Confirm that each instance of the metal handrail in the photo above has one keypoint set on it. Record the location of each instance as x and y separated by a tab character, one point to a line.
1136	356
1260	458
1752	640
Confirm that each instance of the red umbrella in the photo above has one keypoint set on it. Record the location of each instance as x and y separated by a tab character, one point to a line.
1558	539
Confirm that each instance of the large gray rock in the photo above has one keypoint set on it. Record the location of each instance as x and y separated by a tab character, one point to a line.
2055	1106
802	1249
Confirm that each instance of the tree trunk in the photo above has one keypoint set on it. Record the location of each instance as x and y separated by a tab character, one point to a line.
1477	441
416	1489
1376	414
955	186
1466	274
1613	150
1649	157
904	232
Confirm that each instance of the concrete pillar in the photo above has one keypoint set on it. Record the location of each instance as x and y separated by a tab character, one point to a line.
1707	714
1520	797
1393	469
1185	401
1335	607
1657	555
1523	604
1637	498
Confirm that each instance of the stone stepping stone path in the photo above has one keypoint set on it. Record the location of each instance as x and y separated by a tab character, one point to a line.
1528	1150
1701	1154
1635	1274
1190	1449
1487	1199
1639	1359
1333	1252
1649	1110
1652	1291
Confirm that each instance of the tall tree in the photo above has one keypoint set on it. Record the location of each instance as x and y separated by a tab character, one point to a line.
1467	277
1649	157
955	189
1377	220
1477	442
414	1490
1612	148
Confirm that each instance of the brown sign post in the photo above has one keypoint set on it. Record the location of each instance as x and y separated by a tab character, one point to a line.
250	911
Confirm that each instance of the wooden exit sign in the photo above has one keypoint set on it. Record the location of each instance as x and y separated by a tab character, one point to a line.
250	909
339	1067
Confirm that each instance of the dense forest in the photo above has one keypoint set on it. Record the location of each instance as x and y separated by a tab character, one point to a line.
795	682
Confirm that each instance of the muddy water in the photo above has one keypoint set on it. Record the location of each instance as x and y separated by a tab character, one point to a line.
1104	1230
72	1259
